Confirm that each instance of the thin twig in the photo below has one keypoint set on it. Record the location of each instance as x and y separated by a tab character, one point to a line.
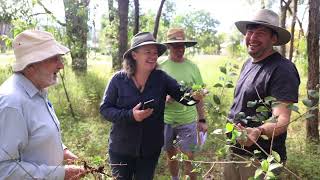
67	96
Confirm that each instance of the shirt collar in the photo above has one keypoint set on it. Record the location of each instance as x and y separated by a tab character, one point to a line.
28	86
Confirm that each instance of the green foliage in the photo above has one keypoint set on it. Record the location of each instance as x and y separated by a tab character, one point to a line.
14	9
235	47
200	26
77	13
226	81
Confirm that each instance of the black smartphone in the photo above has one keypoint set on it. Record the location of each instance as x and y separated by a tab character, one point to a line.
148	104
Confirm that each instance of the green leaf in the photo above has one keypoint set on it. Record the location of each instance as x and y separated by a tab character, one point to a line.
270	159
265	165
307	102
270	175
223	69
262	109
265	137
274	166
196	87
269	98
272	119
313	93
312	108
293	108
258	173
240	115
251	103
276	156
310	116
218	85
235	66
229	127
191	102
229	85
217	131
233	74
216	99
256	152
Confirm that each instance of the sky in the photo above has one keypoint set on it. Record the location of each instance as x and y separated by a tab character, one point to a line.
225	11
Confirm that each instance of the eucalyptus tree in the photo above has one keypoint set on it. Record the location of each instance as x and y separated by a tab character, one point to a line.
11	11
76	16
313	68
201	26
123	8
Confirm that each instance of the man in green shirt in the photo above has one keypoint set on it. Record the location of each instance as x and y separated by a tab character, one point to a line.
182	123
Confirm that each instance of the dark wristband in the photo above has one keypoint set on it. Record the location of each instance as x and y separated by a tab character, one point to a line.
202	120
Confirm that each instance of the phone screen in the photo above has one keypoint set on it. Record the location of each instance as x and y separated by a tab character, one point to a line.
148	104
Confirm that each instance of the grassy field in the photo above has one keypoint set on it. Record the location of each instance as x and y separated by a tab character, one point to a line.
87	133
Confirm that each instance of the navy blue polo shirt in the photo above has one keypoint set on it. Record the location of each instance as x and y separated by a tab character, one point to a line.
273	76
127	136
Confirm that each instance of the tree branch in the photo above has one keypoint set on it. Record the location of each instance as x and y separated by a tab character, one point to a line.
51	14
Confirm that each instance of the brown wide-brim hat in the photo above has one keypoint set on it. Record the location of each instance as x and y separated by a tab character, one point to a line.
32	46
269	19
177	35
142	39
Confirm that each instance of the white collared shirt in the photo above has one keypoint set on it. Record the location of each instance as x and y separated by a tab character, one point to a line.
30	138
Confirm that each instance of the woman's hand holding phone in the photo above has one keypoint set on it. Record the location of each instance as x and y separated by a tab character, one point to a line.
140	114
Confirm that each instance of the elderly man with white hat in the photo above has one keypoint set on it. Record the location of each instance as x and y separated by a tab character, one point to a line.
182	124
30	143
266	73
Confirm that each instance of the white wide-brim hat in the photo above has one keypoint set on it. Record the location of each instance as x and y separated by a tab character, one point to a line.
33	46
269	19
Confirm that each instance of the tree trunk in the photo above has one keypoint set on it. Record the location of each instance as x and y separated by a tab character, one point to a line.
284	6
4	30
76	13
136	17
293	23
313	65
156	23
111	11
123	8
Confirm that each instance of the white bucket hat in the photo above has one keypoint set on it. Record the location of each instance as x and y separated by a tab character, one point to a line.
33	46
269	19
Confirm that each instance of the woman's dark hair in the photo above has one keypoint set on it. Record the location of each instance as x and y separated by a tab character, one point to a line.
129	65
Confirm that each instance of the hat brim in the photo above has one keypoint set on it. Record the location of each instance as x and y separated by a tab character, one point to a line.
187	43
284	35
161	48
35	57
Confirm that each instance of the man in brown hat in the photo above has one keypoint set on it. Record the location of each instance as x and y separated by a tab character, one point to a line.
181	122
266	73
30	143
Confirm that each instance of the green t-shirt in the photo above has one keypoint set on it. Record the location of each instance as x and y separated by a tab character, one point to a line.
187	71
